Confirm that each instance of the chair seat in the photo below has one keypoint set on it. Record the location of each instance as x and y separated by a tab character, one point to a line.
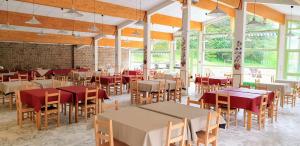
201	136
26	108
224	109
50	108
88	103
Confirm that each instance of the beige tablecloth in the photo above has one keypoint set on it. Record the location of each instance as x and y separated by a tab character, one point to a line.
153	85
48	83
9	87
290	82
139	127
283	87
196	117
42	72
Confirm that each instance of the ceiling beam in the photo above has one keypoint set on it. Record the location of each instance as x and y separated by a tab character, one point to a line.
231	3
20	36
154	35
281	2
266	12
126	24
104	8
160	6
19	19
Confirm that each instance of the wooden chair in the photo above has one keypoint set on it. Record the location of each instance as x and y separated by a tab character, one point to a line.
274	106
104	133
205	86
11	79
134	91
260	87
214	87
176	94
291	98
23	110
180	130
39	78
90	104
210	134
261	114
23	77
198	103
197	83
51	107
105	106
223	102
160	94
2	95
245	86
118	84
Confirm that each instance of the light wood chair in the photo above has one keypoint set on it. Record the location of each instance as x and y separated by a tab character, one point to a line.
23	110
118	85
197	84
245	86
134	92
39	78
106	106
90	104
290	99
104	133
205	86
176	94
160	94
180	130
261	114
51	108
223	102
198	103
210	134
23	77
260	87
12	79
274	106
2	95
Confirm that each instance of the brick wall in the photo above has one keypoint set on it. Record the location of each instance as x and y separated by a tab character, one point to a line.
28	55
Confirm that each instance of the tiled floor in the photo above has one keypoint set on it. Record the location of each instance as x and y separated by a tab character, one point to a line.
285	132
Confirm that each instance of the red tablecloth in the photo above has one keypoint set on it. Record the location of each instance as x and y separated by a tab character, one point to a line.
215	80
36	98
79	92
105	80
253	91
133	72
243	100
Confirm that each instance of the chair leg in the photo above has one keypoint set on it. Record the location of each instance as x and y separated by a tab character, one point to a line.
85	113
46	120
58	118
235	117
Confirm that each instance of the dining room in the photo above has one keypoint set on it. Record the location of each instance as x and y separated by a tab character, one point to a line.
149	73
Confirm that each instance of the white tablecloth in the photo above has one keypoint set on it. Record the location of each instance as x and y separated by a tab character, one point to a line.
290	82
139	127
283	87
153	85
48	83
9	87
196	117
42	72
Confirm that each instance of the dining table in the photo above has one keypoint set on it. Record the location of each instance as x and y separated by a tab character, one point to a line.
36	98
215	80
49	83
78	93
196	117
136	126
11	87
246	99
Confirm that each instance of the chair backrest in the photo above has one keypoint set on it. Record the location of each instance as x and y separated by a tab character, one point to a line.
215	87
205	80
199	103
260	87
106	106
39	78
12	79
55	99
103	131
212	125
162	86
178	85
245	86
180	130
276	98
91	95
1	78
118	79
134	86
263	104
23	77
18	100
222	99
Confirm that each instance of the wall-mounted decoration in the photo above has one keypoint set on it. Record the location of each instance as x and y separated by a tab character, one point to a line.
238	56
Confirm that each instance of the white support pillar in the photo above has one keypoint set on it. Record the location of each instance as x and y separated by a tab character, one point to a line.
200	53
172	54
186	17
239	45
281	52
147	46
118	51
96	53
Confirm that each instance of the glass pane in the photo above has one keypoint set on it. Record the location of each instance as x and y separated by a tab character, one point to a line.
258	58
216	71
222	26
262	40
250	74
293	78
218	57
293	60
293	43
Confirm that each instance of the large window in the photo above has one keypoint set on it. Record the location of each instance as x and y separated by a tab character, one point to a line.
218	48
261	47
292	70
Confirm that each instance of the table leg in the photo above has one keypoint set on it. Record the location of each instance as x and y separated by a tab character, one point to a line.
249	120
38	120
76	112
70	113
281	100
